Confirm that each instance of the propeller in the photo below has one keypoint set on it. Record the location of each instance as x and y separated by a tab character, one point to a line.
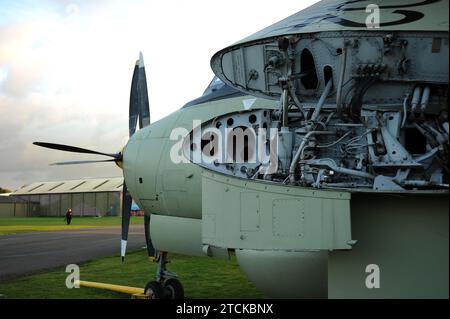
82	162
139	113
74	149
127	201
139	105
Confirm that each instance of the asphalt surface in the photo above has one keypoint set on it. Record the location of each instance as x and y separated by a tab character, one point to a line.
24	254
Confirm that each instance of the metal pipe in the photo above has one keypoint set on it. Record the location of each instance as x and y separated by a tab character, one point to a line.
296	100
416	98
347	124
405	110
324	95
341	80
425	98
285	106
426	156
301	147
295	114
445	127
347	171
420	183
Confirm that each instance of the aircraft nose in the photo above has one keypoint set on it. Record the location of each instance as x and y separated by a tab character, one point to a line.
141	157
119	162
128	163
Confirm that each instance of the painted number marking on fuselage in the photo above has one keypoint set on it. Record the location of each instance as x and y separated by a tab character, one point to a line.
334	14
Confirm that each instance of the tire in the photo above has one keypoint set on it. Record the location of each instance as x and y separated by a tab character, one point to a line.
173	289
154	290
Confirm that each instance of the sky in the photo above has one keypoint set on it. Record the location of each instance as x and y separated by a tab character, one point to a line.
66	67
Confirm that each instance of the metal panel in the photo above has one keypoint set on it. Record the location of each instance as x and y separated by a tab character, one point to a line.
187	240
77	204
101	204
149	156
54	205
174	180
290	218
406	237
34	209
21	210
89	204
327	16
307	272
153	206
44	201
250	212
114	204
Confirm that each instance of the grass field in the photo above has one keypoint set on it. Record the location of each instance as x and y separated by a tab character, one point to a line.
202	277
18	225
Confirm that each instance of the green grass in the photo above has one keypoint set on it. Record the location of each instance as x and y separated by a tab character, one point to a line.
202	277
16	225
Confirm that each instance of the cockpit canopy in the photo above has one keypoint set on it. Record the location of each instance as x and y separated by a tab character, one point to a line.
216	90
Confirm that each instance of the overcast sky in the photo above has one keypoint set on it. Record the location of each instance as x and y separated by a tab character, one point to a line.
66	67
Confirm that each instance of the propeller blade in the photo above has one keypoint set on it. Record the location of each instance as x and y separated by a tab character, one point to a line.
134	101
126	214
148	239
144	107
74	149
139	106
81	162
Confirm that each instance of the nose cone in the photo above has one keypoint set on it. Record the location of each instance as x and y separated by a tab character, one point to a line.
141	157
128	163
119	162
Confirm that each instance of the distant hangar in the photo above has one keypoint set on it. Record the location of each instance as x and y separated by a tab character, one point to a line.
86	197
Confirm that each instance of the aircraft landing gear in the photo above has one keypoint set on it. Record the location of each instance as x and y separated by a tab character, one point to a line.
166	285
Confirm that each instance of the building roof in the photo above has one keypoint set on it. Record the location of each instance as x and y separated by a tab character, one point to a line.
11	199
112	184
4	194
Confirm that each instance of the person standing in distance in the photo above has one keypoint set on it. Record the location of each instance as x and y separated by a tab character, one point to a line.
69	216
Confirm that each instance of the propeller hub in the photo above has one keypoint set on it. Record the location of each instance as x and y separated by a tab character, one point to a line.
119	160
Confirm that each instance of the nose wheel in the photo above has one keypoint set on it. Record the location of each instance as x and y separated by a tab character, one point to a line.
173	289
166	285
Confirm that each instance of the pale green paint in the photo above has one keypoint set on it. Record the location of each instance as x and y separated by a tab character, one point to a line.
286	274
177	235
169	188
435	18
406	236
247	214
264	222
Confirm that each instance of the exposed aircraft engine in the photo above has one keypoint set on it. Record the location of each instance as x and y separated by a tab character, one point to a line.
362	111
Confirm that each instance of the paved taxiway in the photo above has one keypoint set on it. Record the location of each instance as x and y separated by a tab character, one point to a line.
27	253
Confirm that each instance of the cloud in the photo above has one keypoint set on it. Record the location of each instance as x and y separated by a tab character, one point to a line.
43	96
66	67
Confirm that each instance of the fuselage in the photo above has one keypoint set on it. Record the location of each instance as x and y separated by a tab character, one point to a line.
158	184
361	169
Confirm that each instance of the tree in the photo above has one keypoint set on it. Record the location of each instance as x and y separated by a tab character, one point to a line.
4	190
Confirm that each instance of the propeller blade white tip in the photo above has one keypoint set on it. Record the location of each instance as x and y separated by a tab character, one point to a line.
141	60
123	248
